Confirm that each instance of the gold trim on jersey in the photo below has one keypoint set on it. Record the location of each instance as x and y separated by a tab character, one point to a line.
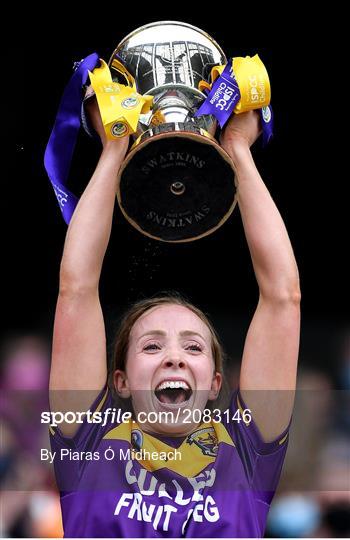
283	439
100	405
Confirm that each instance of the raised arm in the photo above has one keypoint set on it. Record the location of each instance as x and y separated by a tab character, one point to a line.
269	363
79	364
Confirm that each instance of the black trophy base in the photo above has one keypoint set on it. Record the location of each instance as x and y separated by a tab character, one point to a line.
177	186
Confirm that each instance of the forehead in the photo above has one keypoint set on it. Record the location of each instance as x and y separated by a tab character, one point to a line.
170	318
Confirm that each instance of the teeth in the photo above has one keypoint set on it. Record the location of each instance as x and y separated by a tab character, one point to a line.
173	384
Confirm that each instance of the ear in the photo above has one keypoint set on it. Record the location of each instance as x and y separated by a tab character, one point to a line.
215	386
121	384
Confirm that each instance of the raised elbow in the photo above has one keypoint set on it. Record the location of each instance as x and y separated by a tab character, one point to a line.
75	282
291	298
290	295
71	286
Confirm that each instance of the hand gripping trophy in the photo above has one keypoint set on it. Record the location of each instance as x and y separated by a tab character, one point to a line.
169	86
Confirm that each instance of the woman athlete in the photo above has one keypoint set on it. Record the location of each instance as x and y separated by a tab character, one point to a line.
212	475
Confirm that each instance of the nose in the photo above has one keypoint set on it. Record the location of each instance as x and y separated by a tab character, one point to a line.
174	359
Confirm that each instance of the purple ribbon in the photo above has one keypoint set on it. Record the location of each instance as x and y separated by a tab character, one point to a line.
222	97
222	100
60	148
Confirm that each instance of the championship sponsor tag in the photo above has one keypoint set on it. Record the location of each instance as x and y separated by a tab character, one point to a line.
253	82
240	86
120	105
223	96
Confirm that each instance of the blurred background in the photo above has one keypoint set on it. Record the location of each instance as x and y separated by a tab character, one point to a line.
303	170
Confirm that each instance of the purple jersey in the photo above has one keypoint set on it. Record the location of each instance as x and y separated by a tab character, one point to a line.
119	481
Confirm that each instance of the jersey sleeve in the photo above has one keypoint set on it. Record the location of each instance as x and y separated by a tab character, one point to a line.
262	461
68	470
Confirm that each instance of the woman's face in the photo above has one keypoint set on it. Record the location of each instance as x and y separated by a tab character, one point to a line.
169	369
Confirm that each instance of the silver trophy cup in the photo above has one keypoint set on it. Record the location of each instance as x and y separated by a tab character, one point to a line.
176	183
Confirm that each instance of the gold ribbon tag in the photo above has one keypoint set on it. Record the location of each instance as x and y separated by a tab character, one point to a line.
204	85
120	105
253	82
252	79
158	118
118	66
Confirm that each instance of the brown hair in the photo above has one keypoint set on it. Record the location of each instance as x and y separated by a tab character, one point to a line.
121	343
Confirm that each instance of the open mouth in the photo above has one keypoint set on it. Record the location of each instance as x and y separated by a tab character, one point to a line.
173	392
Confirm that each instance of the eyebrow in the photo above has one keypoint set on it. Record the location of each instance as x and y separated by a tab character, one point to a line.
183	333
